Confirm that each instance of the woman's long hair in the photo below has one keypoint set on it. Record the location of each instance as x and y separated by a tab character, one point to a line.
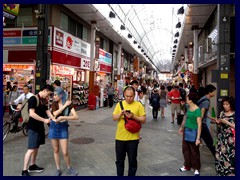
61	93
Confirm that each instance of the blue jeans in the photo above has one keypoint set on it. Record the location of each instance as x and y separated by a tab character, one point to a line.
129	147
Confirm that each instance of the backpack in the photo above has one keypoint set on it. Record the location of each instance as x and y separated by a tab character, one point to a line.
200	101
155	100
25	110
182	94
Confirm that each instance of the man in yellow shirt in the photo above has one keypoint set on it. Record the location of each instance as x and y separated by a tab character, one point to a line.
127	142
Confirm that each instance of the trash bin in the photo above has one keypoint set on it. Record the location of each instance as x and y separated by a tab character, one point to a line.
92	101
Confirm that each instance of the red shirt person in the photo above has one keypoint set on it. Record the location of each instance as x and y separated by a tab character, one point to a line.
174	96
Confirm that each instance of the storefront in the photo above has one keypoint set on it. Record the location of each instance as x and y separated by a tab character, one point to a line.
70	59
19	55
22	73
104	70
70	63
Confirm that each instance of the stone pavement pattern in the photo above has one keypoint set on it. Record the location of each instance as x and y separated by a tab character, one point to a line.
159	152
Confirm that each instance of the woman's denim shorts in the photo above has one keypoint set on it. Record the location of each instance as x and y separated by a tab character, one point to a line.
58	130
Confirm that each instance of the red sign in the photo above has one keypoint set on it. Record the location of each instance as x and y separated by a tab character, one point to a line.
62	58
59	38
69	42
62	70
9	67
13	33
105	68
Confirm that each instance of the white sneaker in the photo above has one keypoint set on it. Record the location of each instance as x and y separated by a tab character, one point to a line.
196	173
183	169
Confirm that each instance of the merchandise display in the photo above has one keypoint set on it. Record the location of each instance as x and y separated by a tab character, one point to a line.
21	74
80	95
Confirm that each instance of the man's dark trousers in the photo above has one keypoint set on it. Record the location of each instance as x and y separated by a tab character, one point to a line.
129	147
207	137
110	99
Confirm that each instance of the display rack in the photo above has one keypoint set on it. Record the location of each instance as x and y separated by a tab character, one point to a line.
79	95
20	76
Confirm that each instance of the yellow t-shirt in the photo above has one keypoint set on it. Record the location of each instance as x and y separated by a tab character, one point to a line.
138	110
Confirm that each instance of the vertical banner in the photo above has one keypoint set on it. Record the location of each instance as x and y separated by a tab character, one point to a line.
135	64
190	54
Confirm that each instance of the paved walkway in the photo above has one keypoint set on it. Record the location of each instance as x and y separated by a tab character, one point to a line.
159	153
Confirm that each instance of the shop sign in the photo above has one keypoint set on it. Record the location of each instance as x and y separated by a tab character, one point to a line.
223	92
12	41
85	63
9	67
12	33
190	54
105	61
224	76
59	38
62	70
30	36
8	15
11	8
70	43
105	57
22	36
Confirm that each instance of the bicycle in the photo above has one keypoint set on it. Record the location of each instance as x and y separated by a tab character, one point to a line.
9	125
23	127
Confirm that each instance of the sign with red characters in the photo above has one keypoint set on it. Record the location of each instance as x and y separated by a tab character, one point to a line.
9	67
59	38
70	44
62	70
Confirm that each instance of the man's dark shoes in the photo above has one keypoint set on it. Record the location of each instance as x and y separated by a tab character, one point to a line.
35	168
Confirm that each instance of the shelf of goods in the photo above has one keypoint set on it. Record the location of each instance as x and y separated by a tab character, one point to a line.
79	95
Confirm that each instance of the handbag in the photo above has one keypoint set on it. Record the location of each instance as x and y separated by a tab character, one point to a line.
233	132
130	124
190	135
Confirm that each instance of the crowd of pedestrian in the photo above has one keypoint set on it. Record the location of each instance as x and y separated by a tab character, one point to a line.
193	104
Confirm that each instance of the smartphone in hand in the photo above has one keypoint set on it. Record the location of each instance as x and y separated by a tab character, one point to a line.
128	111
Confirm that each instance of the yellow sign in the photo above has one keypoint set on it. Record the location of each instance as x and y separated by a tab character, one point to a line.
224	76
11	8
38	87
38	74
223	92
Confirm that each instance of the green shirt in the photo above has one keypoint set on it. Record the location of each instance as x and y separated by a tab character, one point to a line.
192	116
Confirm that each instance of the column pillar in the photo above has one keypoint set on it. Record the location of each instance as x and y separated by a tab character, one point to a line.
223	51
119	61
195	51
92	56
42	56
